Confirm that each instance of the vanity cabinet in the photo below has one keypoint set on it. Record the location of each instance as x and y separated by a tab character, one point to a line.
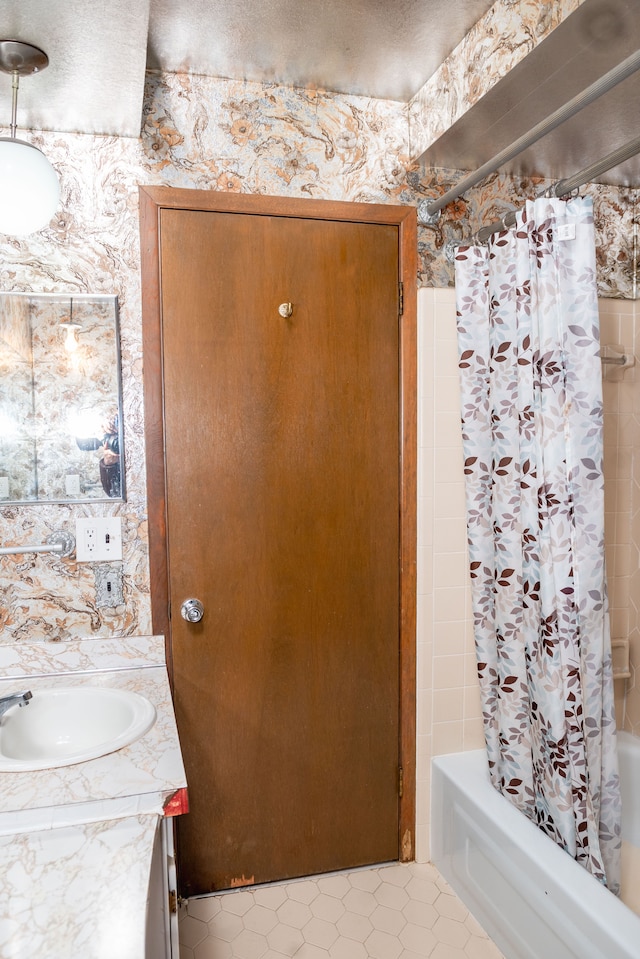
87	849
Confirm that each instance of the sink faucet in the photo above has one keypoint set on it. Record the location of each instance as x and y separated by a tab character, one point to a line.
20	699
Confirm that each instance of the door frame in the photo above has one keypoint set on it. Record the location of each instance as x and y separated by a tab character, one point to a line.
152	201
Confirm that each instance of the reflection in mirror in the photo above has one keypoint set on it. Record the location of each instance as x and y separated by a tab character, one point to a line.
61	399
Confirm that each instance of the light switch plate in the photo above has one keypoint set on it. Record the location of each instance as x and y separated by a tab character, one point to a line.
109	590
98	539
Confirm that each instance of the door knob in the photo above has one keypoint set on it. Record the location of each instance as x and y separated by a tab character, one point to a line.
192	610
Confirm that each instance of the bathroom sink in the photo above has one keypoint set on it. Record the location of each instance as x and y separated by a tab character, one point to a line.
67	725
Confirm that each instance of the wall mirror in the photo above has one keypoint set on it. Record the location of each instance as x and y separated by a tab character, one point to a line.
61	438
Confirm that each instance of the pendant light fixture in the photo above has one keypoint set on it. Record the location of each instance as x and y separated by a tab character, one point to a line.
29	188
72	328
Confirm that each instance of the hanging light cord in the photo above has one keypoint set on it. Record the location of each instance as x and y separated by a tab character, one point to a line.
14	102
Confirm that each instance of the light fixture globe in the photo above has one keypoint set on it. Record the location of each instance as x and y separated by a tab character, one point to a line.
29	188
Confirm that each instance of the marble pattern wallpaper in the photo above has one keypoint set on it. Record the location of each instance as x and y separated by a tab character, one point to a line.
204	133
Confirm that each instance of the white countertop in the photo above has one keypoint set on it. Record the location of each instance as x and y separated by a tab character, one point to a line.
137	779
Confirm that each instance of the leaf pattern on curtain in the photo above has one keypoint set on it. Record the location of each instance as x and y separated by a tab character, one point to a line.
528	338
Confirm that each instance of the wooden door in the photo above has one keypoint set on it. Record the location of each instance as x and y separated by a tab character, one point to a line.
282	445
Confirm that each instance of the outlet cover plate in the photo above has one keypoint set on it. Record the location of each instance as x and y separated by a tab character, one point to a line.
98	539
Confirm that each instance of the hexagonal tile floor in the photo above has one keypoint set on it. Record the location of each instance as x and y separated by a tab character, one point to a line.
397	911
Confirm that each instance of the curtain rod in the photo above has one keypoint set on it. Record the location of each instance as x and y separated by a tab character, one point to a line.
429	210
561	188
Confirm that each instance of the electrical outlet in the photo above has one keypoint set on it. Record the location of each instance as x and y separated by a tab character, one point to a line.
98	539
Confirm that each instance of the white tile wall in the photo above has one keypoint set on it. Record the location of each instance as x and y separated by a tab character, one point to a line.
448	697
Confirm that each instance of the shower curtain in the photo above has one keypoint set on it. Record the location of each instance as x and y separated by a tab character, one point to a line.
532	433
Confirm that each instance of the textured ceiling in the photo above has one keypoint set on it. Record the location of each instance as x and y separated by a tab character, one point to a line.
377	48
98	51
97	56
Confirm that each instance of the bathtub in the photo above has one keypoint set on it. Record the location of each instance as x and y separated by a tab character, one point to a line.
531	897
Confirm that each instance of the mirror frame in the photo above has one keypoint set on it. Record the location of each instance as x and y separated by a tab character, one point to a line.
84	298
